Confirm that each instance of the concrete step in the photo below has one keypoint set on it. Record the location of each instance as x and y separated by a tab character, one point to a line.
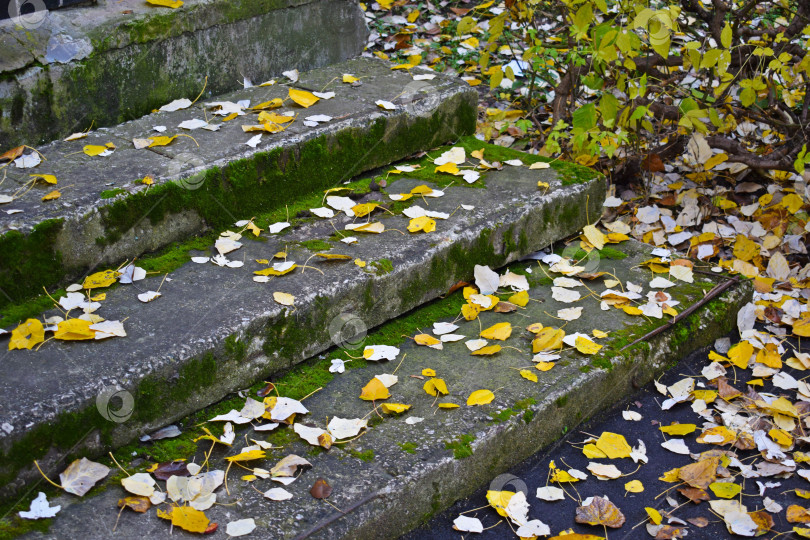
215	330
400	472
106	214
61	71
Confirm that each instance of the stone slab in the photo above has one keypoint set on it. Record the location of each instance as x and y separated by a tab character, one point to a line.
412	473
216	329
200	180
117	60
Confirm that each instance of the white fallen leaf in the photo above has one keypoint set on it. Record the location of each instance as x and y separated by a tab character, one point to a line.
514	162
387	379
533	529
324	95
175	105
380	352
254	141
661	283
676	445
566	296
486	280
338	366
195	123
631	416
28	161
40	509
475	344
277	227
139	484
292	75
148	296
455	155
570	314
240	527
450	338
278	494
411	420
440	328
550	493
286	407
200	260
323	212
604	471
387	105
344	428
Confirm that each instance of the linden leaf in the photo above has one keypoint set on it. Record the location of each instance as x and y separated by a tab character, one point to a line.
520	298
47	178
374	390
435	387
426	339
303	98
655	515
26	335
250	455
161	140
600	512
448	406
421	223
500	331
634	486
186	517
55	194
596	237
480	397
74	330
678	429
348	79
285	299
137	504
725	490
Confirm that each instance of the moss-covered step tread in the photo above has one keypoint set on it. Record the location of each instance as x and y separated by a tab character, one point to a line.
107	214
399	473
215	330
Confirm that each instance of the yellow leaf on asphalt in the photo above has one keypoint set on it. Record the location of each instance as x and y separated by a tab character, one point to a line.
715	160
740	354
104	278
526	374
499	500
801	326
174	4
26	335
594	236
374	390
285	299
500	331
586	346
634	486
435	387
678	429
394	408
185	517
421	223
303	98
592	452
781	437
655	515
74	330
745	249
487	351
613	445
250	455
725	490
55	194
480	397
599	334
792	203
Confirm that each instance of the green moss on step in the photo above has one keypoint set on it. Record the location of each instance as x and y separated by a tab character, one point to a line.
111	193
408	447
29	262
316	245
367	455
461	446
382	267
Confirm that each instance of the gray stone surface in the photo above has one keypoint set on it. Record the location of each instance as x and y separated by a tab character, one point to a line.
393	492
204	308
83	179
117	60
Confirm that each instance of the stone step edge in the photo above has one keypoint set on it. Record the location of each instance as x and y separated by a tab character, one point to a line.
104	233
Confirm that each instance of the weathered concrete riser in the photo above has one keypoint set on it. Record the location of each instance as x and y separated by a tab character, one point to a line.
101	65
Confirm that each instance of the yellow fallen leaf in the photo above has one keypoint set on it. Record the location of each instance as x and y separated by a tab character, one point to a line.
26	335
74	330
594	236
740	354
104	278
745	249
435	387
520	298
526	374
499	500
96	149
500	331
285	299
725	490
348	79
174	4
55	194
161	140
613	445
714	161
450	168
599	334
655	515
274	103
586	346
303	98
792	203
449	406
394	408
632	310
375	228
781	437
270	271
480	397
333	256
548	339
374	390
421	223
266	117
487	351
544	366
470	311
678	429
426	339
360	262
185	517
801	326
250	455
592	452
428	372
47	178
634	486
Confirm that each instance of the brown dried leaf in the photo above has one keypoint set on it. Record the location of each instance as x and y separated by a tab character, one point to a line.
600	512
700	474
138	504
696	495
321	490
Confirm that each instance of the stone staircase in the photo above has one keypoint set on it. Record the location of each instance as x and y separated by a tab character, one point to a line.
216	329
